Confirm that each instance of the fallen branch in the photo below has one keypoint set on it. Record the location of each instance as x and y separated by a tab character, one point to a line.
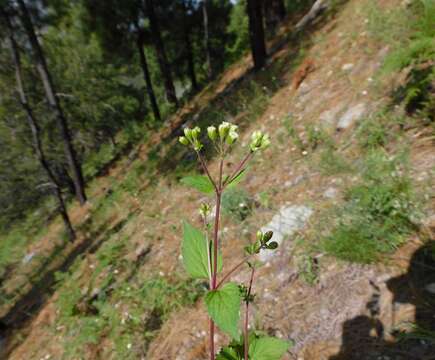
318	8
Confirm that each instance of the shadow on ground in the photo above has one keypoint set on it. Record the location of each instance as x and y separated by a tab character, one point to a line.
363	336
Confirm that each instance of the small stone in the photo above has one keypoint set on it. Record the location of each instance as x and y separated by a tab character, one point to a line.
28	257
330	193
347	67
352	115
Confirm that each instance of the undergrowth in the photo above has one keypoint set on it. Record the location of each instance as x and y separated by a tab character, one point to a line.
379	212
409	31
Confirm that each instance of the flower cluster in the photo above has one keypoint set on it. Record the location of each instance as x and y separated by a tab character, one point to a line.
225	133
259	141
191	137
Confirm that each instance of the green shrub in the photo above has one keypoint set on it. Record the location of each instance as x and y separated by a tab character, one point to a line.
237	203
410	32
378	215
332	163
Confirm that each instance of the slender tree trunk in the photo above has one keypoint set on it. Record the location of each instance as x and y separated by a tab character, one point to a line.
207	40
279	9
256	33
189	51
274	13
54	104
161	53
36	131
146	75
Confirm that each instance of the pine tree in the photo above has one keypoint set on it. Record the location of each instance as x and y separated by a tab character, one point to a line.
54	103
256	32
35	131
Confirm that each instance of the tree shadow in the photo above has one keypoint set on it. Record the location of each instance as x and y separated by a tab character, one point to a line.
363	336
32	301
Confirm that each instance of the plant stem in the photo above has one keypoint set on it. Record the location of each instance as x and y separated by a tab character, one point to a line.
207	242
238	169
211	339
229	273
215	247
204	166
246	330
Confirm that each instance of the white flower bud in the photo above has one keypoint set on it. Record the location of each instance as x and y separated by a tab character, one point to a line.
224	129
232	136
188	133
212	133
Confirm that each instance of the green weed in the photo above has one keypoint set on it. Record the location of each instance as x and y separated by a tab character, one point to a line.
332	163
237	203
410	32
378	215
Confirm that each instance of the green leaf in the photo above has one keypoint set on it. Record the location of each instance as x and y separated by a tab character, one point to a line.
267	348
199	182
194	252
223	306
237	179
228	353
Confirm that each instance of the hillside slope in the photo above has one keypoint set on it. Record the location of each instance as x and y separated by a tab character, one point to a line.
124	294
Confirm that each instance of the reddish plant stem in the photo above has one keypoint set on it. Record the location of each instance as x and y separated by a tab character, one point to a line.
204	167
246	330
229	273
238	169
215	249
211	340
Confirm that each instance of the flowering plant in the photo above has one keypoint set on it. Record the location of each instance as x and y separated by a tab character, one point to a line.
202	258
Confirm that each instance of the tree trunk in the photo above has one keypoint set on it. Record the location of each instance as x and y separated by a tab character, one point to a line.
207	40
189	51
274	13
54	104
256	33
146	75
161	53
36	131
280	9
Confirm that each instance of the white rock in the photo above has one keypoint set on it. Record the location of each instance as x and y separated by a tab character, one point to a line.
330	193
28	257
288	220
347	67
352	115
329	116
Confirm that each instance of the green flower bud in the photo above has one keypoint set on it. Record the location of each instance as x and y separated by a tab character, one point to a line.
224	129
195	132
232	135
197	145
183	140
273	245
204	210
259	141
259	235
267	236
212	133
188	133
